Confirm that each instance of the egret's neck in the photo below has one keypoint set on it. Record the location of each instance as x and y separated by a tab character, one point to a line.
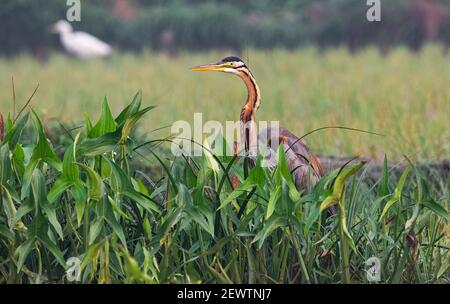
65	32
249	109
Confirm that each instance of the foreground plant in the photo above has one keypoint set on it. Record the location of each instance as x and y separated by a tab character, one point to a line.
90	195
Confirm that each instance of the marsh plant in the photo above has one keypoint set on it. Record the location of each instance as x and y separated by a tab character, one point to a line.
87	194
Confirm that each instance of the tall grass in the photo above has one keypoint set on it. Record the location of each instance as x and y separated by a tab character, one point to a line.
401	94
84	196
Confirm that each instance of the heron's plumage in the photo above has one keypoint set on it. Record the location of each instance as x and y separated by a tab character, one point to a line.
305	167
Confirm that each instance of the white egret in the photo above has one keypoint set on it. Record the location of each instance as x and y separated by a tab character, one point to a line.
80	44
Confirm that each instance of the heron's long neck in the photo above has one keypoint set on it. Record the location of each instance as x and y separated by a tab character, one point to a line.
249	109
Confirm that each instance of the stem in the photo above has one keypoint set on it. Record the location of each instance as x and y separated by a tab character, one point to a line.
299	253
86	227
344	254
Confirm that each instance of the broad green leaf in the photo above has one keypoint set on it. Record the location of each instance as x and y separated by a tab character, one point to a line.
99	145
313	215
106	123
45	240
328	202
8	207
170	221
80	196
275	194
13	135
28	174
133	273
23	251
115	225
58	188
269	226
6	234
436	208
94	229
70	171
18	161
283	170
40	195
95	184
131	122
5	165
131	109
210	160
42	150
121	183
244	188
117	209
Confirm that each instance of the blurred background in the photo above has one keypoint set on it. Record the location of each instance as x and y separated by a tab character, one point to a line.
172	25
319	63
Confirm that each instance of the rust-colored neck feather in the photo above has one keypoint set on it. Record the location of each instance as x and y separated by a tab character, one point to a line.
250	108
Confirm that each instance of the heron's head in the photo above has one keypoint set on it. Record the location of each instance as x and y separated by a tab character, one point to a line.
233	65
61	27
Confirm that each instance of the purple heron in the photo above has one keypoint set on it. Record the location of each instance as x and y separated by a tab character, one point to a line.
305	167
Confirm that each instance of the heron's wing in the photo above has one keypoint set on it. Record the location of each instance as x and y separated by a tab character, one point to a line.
305	167
85	45
316	164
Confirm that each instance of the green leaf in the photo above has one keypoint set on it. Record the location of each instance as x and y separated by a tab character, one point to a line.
42	150
70	171
328	202
209	157
117	209
436	208
121	183
106	123
6	234
143	201
397	193
131	122
95	229
244	188
13	135
95	184
40	196
275	194
131	109
313	215
58	188
91	255
45	240
5	165
283	170
80	196
269	226
115	225
170	221
8	207
23	251
18	161
99	145
28	174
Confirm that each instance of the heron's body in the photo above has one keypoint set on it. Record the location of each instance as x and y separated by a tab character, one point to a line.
81	44
305	167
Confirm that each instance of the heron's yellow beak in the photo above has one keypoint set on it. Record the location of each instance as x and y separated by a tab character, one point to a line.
209	67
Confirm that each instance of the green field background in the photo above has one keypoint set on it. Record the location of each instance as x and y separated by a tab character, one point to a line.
401	94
